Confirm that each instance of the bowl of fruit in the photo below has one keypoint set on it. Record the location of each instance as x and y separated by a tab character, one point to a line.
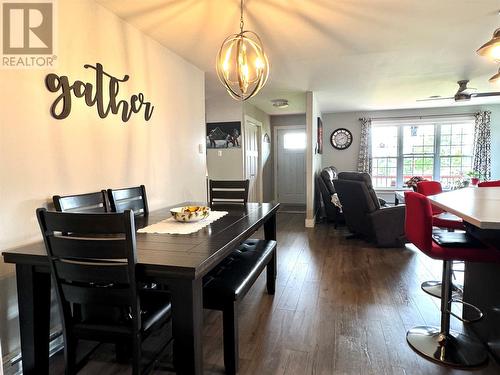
189	214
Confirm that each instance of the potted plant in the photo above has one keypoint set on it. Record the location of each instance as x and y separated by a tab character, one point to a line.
412	182
474	177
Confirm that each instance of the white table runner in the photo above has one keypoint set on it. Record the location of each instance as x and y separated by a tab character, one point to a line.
172	226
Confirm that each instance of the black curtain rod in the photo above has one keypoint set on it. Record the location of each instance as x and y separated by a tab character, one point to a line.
421	117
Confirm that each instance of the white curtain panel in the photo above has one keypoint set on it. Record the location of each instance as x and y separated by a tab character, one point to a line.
365	146
482	145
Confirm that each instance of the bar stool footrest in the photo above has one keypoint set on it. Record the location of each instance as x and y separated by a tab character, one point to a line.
475	308
433	288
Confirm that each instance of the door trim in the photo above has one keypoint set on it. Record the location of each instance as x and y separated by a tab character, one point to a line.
275	152
260	184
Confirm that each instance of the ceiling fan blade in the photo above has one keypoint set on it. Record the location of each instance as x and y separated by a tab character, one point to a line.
429	99
483	94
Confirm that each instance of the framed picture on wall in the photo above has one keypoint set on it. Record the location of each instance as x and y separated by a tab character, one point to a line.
224	134
320	136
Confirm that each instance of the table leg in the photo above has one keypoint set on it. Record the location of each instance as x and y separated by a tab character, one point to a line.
33	293
187	325
270	234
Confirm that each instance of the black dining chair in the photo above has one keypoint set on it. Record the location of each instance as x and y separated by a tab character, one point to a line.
92	259
131	198
82	203
228	191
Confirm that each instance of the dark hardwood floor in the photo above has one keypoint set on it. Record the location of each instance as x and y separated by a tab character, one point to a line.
341	307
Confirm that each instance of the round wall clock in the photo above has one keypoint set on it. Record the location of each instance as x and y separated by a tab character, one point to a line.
341	138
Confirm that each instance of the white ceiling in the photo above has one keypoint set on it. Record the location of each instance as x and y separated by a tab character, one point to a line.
354	54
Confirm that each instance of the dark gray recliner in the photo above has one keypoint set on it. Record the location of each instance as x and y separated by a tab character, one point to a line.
364	214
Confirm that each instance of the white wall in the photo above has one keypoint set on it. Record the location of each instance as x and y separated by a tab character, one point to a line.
288	120
41	156
346	160
224	164
313	160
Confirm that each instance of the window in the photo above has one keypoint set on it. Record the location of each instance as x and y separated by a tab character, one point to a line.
294	141
385	156
434	148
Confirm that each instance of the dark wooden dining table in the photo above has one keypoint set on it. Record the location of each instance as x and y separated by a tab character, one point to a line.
177	261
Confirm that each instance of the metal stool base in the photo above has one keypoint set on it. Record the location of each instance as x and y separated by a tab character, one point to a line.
458	351
434	289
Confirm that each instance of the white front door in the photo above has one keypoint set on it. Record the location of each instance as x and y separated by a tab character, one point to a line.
291	165
252	160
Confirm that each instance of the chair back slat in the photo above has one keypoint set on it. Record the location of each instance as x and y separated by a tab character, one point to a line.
135	204
132	198
88	248
82	203
97	296
84	223
92	273
228	192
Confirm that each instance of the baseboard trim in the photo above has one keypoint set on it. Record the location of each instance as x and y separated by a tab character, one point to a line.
310	222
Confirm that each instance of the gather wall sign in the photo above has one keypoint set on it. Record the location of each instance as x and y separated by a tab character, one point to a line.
61	107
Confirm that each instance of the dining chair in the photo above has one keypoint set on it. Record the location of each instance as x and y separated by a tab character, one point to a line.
131	198
495	183
92	258
82	203
228	191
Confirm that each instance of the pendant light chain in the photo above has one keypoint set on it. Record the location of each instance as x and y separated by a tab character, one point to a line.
241	16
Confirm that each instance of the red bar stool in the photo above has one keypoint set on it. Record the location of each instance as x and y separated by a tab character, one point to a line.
489	184
441	344
440	219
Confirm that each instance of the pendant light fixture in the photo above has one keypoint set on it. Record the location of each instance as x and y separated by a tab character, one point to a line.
496	78
491	49
242	65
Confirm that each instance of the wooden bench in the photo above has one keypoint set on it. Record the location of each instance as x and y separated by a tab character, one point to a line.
227	284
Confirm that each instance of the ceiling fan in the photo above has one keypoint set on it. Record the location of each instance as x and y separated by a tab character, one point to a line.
464	93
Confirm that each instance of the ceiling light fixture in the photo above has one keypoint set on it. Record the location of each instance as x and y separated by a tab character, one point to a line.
280	103
496	78
242	65
491	49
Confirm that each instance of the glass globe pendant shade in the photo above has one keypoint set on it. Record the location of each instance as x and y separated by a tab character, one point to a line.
491	49
242	65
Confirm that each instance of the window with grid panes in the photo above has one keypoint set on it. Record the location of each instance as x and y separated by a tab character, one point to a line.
385	156
437	148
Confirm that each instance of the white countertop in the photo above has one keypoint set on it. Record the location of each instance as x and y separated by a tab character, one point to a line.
477	206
